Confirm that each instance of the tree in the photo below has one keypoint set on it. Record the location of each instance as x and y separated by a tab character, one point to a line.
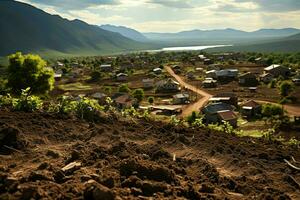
138	94
96	76
269	110
151	100
29	71
285	88
124	88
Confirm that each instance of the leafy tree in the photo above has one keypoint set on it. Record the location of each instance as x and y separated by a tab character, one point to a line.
29	71
124	88
151	100
269	110
285	88
138	94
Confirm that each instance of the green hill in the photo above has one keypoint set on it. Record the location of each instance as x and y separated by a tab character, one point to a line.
28	29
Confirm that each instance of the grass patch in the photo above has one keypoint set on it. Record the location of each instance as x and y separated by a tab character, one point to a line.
251	133
74	87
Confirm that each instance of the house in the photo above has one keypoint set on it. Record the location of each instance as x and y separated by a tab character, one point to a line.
260	61
165	109
296	81
101	97
209	83
168	85
181	98
122	100
58	75
201	57
248	79
213	67
148	83
207	61
228	98
250	108
228	116
122	77
227	74
211	111
278	70
59	64
266	77
106	68
211	74
157	71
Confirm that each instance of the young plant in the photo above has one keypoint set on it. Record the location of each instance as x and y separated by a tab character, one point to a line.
27	102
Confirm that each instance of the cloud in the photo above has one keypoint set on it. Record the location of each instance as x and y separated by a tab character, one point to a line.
172	3
75	4
275	5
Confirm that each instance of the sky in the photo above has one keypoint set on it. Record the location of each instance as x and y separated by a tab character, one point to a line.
178	15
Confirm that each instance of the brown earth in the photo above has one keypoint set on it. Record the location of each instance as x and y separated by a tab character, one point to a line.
47	156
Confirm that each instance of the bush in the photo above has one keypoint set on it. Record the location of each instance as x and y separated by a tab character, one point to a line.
87	109
269	110
138	94
192	118
96	76
285	88
26	102
124	88
151	100
65	105
29	71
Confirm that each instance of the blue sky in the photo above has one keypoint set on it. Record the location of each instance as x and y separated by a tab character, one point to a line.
178	15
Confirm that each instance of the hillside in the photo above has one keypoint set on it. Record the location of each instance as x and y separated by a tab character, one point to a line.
125	31
224	34
49	156
28	29
286	44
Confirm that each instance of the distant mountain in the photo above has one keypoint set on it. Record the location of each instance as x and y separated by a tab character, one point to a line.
221	34
28	29
125	31
285	44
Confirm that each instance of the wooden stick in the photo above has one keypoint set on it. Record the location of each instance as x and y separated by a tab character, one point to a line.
13	149
291	165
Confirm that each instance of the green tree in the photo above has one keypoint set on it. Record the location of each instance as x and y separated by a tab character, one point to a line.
285	88
269	110
29	71
151	100
138	94
124	88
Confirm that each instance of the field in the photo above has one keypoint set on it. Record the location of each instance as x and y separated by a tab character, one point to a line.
52	156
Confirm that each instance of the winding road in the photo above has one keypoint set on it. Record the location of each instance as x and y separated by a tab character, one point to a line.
196	106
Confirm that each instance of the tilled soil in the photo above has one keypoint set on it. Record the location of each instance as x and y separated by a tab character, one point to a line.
45	156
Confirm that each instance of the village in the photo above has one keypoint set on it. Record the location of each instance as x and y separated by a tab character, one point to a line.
221	87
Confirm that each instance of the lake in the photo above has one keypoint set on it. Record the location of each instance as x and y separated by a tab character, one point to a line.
190	48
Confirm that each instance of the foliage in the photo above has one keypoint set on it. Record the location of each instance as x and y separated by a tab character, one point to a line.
192	118
96	76
124	88
108	89
138	94
272	84
87	109
29	71
269	110
63	106
27	102
285	88
151	100
294	142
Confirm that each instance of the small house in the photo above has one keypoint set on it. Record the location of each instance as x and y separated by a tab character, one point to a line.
58	75
278	70
157	71
190	75
296	81
123	100
227	74
168	85
211	111
211	74
181	98
248	79
106	68
201	57
148	83
250	109
209	83
176	69
207	61
122	77
266	77
213	67
228	98
228	116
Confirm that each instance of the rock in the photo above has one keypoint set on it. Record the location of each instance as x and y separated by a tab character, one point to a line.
71	167
35	176
53	154
43	166
30	192
207	188
96	191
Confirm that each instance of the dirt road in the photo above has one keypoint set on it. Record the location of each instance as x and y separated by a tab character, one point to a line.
187	110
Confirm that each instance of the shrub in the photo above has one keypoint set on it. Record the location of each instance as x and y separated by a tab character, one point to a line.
138	94
29	71
285	88
26	102
87	109
96	76
63	106
124	88
269	110
151	100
